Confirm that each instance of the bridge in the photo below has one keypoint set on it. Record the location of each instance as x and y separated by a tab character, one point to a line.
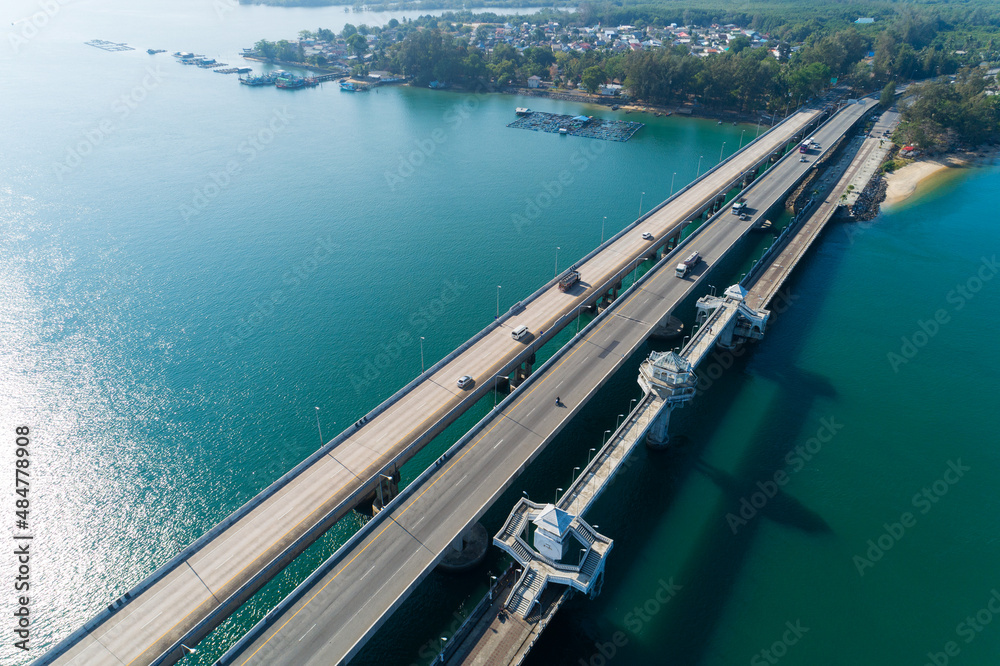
505	625
191	594
333	613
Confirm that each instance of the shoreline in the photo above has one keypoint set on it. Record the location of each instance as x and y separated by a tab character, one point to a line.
910	179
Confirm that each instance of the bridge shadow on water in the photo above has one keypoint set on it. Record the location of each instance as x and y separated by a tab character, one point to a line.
683	633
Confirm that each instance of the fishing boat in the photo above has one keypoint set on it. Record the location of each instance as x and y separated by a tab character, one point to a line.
351	86
289	82
522	111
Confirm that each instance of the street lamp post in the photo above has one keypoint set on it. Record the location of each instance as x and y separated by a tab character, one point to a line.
444	639
604	439
492	580
498	301
672	178
603	222
722	150
557	262
589	454
641	195
319	428
757	132
741	139
698	170
421	354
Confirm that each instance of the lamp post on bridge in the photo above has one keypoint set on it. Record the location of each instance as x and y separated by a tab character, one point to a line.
421	354
757	132
444	639
605	221
498	301
319	428
493	579
641	195
741	139
672	178
604	439
698	170
557	261
722	150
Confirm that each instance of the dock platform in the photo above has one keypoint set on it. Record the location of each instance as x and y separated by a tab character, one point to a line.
585	126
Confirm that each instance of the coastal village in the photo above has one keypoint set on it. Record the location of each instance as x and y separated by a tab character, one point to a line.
356	49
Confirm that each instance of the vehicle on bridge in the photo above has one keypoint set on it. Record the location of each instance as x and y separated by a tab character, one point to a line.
647	236
740	204
464	381
805	145
519	332
569	280
686	265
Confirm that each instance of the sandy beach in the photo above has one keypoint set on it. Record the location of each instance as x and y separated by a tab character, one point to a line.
902	183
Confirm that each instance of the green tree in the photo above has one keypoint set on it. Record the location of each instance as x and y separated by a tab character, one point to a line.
592	78
357	44
888	97
266	49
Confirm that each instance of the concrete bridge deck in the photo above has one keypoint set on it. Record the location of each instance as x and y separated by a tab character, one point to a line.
322	622
511	638
192	593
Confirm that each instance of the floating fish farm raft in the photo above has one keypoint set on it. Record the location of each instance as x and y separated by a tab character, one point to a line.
586	126
109	46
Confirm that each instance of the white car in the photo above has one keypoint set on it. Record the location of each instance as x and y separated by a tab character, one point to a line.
647	236
464	381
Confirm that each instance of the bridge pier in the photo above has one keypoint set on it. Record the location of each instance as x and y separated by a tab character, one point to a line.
658	436
467	551
609	297
669	328
385	491
522	371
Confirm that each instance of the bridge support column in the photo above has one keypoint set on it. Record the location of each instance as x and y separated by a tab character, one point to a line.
523	371
385	491
669	328
467	551
658	437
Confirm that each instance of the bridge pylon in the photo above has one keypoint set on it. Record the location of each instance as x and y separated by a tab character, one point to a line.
672	378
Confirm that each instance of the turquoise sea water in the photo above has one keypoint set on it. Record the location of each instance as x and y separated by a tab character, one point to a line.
190	266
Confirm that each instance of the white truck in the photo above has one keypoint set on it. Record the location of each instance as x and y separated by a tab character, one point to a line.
686	265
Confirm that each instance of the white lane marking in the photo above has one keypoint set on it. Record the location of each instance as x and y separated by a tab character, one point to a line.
151	619
223	562
307	631
287	510
372	568
498	444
